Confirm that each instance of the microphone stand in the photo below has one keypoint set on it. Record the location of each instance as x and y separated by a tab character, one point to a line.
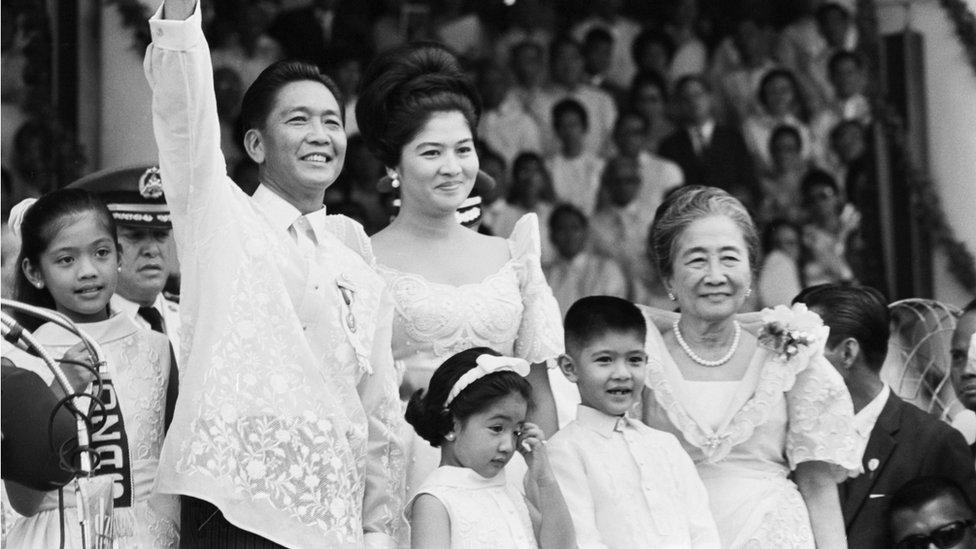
95	526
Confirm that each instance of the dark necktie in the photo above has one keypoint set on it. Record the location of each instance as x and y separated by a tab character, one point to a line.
152	316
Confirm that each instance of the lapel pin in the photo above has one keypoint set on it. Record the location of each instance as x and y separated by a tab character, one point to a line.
873	464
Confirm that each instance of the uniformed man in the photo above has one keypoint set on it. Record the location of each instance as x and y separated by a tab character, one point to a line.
134	195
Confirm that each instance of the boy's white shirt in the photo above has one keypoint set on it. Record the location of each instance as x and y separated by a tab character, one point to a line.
627	485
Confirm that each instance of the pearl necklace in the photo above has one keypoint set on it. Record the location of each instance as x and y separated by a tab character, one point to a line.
711	363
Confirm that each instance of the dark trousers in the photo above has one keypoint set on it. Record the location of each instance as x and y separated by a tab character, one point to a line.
202	526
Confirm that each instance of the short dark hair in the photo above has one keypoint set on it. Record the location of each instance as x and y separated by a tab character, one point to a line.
564	210
855	311
403	88
816	178
803	110
567	106
597	35
687	79
821	12
782	130
595	316
524	45
261	94
769	233
633	114
919	491
426	411
652	36
648	78
840	57
516	191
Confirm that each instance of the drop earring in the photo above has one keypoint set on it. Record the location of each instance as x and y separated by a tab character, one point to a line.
395	180
450	436
748	292
671	297
39	285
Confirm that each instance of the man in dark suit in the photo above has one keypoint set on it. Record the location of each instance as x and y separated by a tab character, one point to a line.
902	441
708	153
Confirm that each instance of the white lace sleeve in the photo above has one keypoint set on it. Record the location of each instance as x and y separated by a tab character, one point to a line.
540	333
821	420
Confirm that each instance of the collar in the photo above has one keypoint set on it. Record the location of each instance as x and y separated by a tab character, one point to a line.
865	420
131	308
113	328
599	422
707	129
283	215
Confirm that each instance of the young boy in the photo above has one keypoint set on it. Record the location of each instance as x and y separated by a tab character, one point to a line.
626	485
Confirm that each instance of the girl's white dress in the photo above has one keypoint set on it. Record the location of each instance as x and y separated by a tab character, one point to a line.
511	311
484	512
139	362
746	436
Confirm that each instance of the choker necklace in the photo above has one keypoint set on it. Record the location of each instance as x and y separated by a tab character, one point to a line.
711	363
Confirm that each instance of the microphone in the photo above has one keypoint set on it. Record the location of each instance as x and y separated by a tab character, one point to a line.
12	332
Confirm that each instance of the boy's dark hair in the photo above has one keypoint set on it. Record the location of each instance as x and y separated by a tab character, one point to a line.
594	316
919	491
426	411
854	311
260	96
567	106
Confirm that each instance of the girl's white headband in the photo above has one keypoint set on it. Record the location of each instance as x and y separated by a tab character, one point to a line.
487	364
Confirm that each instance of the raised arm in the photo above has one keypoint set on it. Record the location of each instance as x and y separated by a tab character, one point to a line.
184	109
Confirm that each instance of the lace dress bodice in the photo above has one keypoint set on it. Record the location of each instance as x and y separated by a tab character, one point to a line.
511	311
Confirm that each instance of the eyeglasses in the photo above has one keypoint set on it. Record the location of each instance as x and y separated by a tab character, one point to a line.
942	537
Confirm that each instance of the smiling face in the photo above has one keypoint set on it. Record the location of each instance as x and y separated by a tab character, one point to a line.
609	371
486	441
710	270
302	143
962	371
79	268
144	270
944	514
439	165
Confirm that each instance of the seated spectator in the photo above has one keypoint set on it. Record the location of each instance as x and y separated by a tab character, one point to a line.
653	52
830	223
622	30
779	277
738	66
620	227
858	173
568	83
658	176
708	153
962	365
597	57
229	92
649	96
460	29
505	126
575	170
780	186
900	441
529	21
348	72
530	191
577	272
932	512
246	47
780	103
835	23
690	54
848	101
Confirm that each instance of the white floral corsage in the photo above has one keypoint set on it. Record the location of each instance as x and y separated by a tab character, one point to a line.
786	331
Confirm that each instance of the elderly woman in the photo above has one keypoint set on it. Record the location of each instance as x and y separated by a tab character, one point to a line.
765	417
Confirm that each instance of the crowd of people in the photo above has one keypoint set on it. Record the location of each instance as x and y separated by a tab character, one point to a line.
531	323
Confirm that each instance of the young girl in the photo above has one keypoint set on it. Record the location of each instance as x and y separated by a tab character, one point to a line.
70	262
474	410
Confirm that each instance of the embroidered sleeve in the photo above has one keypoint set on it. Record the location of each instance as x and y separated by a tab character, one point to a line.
821	420
385	462
540	333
